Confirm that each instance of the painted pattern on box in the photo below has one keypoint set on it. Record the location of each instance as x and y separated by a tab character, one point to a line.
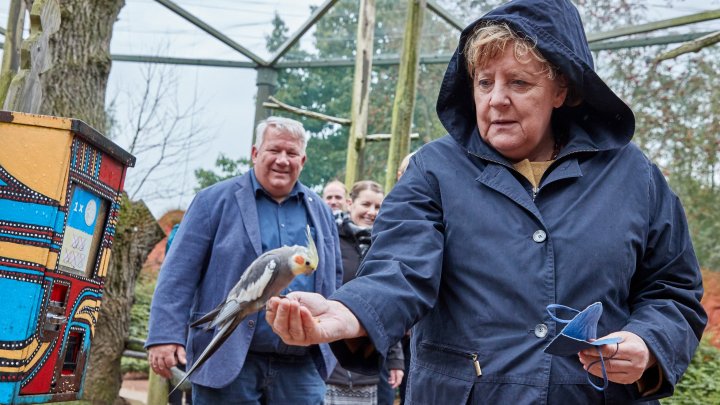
57	225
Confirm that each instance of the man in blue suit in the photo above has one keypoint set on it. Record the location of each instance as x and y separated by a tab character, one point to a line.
227	226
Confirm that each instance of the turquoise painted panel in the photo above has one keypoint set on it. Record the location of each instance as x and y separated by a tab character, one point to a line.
7	392
2	183
59	222
21	271
27	213
58	228
18	313
33	399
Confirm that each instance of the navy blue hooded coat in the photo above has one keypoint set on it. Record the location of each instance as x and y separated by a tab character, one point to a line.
469	253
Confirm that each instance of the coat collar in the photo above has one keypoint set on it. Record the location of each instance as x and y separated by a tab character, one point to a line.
245	197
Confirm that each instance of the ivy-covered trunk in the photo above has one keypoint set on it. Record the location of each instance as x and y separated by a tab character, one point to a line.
74	86
136	235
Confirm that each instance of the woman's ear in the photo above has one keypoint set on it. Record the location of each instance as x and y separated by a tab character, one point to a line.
572	96
561	94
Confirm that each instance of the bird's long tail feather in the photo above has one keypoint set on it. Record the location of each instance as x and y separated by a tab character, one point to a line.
207	317
211	348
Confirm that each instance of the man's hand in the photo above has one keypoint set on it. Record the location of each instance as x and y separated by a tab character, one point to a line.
627	365
395	378
304	319
164	357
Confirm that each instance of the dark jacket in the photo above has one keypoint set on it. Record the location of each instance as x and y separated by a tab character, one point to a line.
354	242
463	247
218	238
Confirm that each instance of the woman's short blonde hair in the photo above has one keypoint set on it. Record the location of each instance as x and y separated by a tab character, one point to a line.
489	41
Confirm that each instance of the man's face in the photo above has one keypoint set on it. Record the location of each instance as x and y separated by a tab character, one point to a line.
278	162
334	196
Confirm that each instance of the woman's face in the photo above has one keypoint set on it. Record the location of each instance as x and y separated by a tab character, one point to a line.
513	105
365	207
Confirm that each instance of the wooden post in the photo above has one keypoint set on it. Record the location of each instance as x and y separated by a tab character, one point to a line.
135	236
13	38
361	90
158	390
692	46
274	103
266	84
25	91
404	102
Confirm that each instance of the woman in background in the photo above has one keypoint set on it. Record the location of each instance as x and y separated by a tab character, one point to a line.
343	386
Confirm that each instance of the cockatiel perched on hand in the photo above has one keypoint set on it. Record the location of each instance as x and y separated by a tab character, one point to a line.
266	277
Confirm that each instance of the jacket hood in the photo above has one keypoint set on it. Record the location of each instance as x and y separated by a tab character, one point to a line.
602	121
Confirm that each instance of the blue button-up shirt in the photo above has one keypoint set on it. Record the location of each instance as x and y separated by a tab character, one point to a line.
281	224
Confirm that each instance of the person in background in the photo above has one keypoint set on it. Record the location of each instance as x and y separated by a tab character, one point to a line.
403	165
343	386
335	196
176	397
226	227
171	237
536	198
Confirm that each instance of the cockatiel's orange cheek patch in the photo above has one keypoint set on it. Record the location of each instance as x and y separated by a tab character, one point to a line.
299	260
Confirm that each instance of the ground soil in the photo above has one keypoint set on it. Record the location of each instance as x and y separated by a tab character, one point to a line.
134	390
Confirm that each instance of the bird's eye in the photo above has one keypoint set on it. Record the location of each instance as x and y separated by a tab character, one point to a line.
307	263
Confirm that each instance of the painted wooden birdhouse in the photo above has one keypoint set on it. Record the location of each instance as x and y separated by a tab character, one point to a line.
60	184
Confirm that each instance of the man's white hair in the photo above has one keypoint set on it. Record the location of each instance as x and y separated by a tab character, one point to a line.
294	128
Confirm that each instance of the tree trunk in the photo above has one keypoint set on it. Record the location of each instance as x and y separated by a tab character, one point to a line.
404	104
137	233
75	85
360	92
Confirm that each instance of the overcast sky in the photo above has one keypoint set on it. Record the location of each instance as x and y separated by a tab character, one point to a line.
227	95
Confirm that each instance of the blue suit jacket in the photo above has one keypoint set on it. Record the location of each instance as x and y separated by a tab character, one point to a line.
218	239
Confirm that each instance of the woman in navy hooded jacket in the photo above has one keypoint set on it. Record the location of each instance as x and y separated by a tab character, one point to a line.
536	197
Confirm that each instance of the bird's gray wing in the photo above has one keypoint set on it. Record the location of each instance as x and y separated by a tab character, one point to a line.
251	286
244	280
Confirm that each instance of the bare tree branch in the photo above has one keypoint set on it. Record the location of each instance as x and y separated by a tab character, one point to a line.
161	132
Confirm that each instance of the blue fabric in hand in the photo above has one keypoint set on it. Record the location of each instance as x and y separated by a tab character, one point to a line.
580	334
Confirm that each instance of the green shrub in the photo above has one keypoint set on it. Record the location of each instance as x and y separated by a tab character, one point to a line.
701	382
139	317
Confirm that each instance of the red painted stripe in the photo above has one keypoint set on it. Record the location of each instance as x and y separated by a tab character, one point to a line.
111	172
26	230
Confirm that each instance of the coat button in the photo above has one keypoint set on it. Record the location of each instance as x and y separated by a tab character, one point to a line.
539	236
251	324
541	330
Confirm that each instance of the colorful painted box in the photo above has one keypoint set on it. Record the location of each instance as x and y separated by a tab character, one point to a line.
60	182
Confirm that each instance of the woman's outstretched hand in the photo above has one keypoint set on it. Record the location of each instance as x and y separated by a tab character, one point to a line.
303	319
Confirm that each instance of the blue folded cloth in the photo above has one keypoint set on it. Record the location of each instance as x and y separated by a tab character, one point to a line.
580	334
